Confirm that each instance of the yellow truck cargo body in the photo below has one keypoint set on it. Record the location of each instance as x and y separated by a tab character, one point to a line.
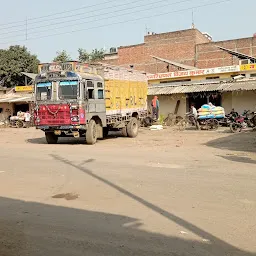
125	92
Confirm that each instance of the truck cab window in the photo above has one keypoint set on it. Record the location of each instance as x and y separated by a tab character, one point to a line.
100	94
91	93
43	91
68	90
99	85
90	89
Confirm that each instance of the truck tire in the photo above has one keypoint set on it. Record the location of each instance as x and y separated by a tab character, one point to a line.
105	132
132	128
124	131
51	138
91	133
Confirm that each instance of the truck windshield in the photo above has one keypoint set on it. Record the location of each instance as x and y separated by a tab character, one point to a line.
68	90
44	91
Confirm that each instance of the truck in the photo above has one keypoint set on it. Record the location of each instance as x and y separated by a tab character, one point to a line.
75	99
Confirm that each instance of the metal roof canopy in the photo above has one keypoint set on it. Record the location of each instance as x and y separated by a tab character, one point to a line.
241	86
16	99
238	54
174	63
30	75
222	87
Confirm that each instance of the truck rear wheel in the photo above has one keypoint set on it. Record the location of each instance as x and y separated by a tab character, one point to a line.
51	138
91	133
132	128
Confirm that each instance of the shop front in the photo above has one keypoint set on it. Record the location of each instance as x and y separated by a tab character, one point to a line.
238	95
11	104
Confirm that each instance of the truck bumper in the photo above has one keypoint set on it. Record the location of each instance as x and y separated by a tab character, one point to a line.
60	127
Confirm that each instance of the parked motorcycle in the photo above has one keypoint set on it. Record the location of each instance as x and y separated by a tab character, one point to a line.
229	118
243	122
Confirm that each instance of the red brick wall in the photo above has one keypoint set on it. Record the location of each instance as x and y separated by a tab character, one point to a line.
178	46
208	55
189	47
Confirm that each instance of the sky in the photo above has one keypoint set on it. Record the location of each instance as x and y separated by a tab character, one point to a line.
48	26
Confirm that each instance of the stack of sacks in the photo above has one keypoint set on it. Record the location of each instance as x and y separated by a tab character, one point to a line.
210	111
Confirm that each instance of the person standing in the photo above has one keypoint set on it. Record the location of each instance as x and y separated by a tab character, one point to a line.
27	118
155	107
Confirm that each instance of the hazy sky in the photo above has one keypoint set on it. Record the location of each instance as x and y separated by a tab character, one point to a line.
108	23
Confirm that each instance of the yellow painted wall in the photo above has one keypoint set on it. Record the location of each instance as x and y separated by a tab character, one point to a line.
125	94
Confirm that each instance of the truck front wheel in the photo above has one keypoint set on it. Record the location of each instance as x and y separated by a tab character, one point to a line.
91	133
132	128
51	138
124	131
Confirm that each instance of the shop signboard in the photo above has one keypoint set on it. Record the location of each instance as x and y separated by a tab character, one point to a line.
196	72
247	67
28	88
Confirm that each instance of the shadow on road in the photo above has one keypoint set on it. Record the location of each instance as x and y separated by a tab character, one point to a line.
236	142
240	159
70	140
175	245
36	229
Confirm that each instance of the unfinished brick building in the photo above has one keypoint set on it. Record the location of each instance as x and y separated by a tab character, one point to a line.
190	48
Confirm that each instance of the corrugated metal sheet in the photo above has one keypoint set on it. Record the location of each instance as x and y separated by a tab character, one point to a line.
161	90
17	99
30	75
224	87
241	86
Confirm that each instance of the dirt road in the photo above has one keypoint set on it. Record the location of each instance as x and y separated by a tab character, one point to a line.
163	193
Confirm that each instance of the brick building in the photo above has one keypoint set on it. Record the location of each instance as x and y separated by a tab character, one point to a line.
206	69
189	47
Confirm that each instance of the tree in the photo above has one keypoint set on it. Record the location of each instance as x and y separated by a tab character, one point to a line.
83	55
97	55
15	60
62	56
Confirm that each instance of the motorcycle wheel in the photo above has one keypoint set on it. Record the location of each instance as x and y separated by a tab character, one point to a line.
254	120
235	127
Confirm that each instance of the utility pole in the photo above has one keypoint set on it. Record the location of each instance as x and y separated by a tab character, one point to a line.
193	23
26	28
147	29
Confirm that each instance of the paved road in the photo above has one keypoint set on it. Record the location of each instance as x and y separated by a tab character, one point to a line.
163	193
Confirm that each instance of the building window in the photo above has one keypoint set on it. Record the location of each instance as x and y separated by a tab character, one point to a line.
175	81
253	75
212	77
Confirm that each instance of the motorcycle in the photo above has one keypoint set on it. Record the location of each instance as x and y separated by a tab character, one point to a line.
227	120
243	122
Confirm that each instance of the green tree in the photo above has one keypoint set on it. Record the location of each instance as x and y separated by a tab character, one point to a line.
97	55
15	60
83	55
62	56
